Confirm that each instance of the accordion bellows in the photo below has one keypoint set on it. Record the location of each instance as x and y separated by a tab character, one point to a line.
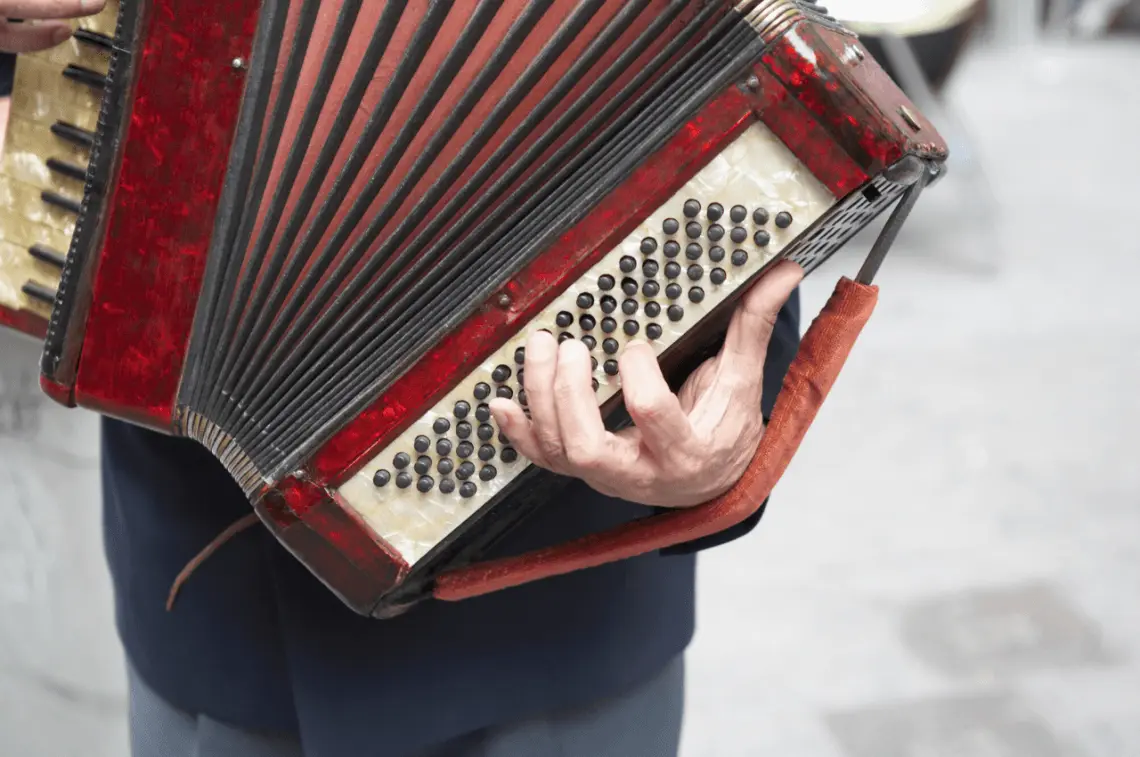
316	234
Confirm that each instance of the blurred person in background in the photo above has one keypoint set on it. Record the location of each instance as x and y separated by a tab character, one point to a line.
258	659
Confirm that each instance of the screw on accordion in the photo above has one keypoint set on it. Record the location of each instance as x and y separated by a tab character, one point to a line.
321	264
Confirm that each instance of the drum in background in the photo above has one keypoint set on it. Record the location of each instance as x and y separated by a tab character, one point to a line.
936	30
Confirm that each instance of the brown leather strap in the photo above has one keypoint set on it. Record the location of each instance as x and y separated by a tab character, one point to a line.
821	356
218	542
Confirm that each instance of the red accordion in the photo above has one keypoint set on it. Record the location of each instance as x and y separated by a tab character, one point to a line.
315	234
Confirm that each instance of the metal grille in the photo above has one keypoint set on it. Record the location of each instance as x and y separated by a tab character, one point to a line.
841	223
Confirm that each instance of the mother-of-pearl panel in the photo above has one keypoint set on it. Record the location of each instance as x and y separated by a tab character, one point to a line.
755	171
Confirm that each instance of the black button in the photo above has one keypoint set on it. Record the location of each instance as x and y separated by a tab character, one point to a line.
610	346
629	307
486	452
627	264
505	392
381	478
425	484
760	216
739	257
463	429
630	287
716	232
447	486
738	213
672	270
675	313
671	226
783	219
762	238
462	408
610	367
631	328
487	473
589	341
468	490
441	425
696	273
738	235
508	455
691	208
716	254
652	309
486	432
673	291
422	444
483	413
445	465
401	460
651	288
466	470
606	282
563	319
587	322
715	211
653	331
650	268
403	479
718	276
693	230
520	358
696	294
609	325
648	246
694	251
482	391
500	374
672	249
465	450
423	465
586	300
443	447
609	304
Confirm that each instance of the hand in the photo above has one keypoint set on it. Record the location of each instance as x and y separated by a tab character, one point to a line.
43	23
686	448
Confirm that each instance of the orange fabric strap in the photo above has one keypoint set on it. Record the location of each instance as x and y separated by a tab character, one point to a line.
821	356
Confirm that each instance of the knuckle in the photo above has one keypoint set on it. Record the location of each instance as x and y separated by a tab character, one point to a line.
645	407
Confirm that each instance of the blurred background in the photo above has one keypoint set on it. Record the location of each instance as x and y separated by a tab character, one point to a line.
951	567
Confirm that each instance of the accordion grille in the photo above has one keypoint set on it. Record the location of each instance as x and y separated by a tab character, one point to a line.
397	161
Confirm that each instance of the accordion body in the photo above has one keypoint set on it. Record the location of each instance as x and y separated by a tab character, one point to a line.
316	234
45	146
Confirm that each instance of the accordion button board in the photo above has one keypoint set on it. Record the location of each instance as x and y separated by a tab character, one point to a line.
56	97
729	222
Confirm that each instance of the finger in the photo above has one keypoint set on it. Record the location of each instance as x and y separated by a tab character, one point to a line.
652	406
28	38
512	421
45	9
579	418
730	403
755	318
541	367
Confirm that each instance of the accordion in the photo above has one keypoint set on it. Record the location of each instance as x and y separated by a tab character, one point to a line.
315	234
45	147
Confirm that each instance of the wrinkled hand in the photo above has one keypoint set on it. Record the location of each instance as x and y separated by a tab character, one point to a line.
686	448
43	22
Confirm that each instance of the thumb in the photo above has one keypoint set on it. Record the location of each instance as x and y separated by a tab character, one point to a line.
746	344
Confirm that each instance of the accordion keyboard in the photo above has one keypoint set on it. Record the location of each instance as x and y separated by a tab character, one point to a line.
737	215
56	97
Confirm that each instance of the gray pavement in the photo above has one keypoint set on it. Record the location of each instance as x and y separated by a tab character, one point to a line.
951	567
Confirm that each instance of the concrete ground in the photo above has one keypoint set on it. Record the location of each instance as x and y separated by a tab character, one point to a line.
951	567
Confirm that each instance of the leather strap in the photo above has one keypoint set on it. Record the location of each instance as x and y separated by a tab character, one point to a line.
821	356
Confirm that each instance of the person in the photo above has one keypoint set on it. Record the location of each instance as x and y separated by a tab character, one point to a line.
259	659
